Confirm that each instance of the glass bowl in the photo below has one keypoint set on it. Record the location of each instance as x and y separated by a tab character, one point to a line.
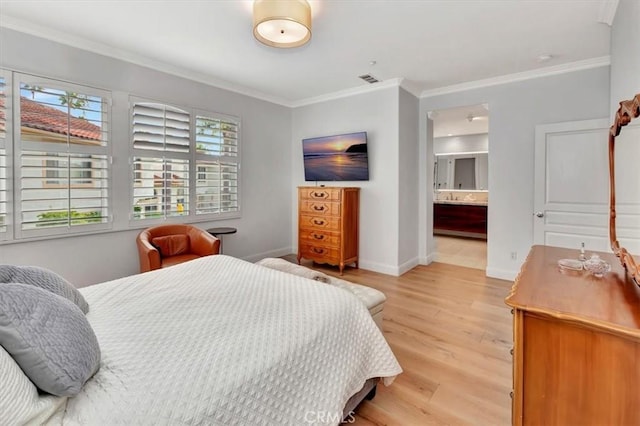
596	266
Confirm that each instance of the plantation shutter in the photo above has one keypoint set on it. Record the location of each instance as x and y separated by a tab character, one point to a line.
63	157
4	181
217	163
161	140
160	128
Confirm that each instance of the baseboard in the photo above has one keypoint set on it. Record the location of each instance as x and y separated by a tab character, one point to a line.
396	271
379	267
502	274
427	260
408	265
271	253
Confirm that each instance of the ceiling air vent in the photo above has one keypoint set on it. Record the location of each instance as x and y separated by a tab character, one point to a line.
369	78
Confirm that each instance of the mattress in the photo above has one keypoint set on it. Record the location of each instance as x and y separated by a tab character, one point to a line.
220	341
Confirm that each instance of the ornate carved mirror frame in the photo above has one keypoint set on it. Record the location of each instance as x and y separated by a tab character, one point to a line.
628	111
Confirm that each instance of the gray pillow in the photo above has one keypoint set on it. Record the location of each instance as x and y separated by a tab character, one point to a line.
49	338
45	279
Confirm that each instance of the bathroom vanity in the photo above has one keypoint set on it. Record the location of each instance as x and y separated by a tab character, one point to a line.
463	218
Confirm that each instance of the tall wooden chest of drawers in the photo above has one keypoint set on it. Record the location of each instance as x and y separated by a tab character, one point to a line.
576	357
328	221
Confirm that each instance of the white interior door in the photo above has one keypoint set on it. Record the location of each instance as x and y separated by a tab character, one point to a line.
571	204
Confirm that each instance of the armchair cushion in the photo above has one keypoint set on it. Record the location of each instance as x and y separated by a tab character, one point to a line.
171	245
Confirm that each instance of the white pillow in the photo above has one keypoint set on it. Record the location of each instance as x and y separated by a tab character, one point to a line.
20	402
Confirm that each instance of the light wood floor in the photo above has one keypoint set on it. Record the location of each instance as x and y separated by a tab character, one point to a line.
470	252
451	332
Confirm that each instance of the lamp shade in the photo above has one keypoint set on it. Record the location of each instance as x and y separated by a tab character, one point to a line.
282	23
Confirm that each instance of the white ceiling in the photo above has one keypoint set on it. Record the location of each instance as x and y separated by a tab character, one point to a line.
428	44
455	121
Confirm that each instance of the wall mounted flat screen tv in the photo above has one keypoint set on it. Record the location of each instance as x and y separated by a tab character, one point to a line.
335	158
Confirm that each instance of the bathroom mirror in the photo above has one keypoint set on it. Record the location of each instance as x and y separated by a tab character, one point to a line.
626	113
461	171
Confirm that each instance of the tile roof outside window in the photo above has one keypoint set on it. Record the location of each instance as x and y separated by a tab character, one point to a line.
41	117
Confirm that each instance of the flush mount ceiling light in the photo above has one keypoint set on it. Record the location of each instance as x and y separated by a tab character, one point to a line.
282	23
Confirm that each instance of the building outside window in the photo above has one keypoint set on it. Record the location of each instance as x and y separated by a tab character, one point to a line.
182	160
61	157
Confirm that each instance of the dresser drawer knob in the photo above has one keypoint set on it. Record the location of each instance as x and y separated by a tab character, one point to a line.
318	222
511	351
317	250
318	236
318	208
320	194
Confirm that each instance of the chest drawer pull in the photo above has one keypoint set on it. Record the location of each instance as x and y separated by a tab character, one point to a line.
318	222
322	195
318	236
318	208
318	250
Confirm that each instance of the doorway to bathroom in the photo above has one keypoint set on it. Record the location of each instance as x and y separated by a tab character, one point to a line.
461	185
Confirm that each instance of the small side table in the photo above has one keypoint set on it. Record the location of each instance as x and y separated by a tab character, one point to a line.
219	232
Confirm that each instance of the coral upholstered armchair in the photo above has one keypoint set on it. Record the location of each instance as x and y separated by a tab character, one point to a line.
166	245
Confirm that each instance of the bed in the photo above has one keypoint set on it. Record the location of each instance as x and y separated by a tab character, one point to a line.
220	341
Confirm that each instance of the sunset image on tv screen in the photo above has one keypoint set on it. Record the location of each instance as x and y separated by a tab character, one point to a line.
340	157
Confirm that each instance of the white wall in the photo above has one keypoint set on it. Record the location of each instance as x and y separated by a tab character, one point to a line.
625	53
265	226
516	108
377	114
462	143
408	180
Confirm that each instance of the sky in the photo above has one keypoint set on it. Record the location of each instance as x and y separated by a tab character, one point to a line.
51	97
332	144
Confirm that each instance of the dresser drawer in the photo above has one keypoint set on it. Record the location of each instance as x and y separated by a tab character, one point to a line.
329	223
317	237
319	253
329	194
320	208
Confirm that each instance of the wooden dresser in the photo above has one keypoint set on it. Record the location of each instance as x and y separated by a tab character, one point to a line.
328	225
576	344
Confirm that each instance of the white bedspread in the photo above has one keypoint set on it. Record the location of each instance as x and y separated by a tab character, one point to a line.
220	341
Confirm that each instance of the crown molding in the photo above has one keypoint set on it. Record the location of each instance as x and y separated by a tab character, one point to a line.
607	12
609	8
586	64
411	87
393	82
27	27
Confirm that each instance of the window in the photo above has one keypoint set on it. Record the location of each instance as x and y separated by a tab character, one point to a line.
4	181
161	145
181	160
57	172
217	163
62	157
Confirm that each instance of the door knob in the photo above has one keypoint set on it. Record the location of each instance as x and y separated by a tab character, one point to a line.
540	214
